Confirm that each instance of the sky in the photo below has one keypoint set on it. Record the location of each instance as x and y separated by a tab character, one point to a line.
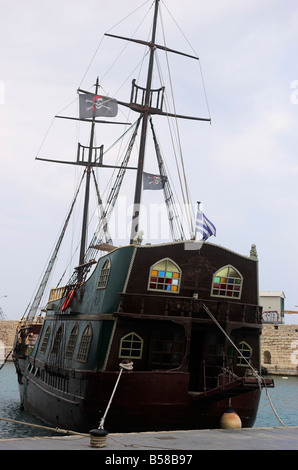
243	166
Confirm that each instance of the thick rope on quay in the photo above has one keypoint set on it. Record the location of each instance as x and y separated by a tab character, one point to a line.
62	431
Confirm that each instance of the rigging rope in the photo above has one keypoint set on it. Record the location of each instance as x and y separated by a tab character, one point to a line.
255	373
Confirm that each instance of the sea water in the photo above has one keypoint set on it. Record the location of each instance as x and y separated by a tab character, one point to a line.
284	398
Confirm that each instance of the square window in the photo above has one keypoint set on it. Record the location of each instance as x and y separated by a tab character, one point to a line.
176	275
153	273
169	274
217	279
174	288
161	273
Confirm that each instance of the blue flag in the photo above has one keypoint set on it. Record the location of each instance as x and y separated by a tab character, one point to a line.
204	226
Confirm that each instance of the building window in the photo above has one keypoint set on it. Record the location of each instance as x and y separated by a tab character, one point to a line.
72	342
131	346
85	344
246	352
227	282
267	357
57	341
165	276
104	274
167	349
43	347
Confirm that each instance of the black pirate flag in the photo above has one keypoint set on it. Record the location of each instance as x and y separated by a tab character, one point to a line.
96	105
153	181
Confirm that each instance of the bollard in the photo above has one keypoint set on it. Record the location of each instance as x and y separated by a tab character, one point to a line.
98	437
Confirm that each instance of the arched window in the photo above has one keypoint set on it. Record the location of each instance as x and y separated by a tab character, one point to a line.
72	342
131	346
246	353
57	341
227	282
165	275
104	274
85	344
267	357
44	344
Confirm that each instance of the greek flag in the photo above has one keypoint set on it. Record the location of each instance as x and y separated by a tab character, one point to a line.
204	226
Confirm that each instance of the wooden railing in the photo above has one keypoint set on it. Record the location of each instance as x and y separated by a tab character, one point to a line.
163	305
56	293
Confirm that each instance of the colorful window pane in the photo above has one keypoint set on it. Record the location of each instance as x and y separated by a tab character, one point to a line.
165	275
227	282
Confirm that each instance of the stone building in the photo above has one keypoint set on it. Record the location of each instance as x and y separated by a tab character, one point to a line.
273	304
279	349
7	334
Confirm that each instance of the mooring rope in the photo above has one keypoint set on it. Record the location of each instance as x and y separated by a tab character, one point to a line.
63	431
122	365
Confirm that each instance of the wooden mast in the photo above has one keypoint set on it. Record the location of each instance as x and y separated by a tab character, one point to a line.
87	193
138	189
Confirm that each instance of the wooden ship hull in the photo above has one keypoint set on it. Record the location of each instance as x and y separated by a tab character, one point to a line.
194	343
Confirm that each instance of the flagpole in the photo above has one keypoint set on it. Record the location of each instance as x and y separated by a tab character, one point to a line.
195	235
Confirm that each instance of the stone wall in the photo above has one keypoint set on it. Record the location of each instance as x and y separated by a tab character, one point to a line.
279	349
7	335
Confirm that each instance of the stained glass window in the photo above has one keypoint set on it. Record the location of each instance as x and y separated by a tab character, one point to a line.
165	275
227	282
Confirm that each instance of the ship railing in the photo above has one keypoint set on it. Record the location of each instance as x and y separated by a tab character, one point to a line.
56	293
163	305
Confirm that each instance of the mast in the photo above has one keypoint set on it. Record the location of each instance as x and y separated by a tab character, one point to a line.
138	189
87	192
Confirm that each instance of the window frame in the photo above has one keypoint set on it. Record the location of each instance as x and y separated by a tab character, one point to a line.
45	340
57	341
135	339
240	360
72	341
219	289
85	344
104	274
165	277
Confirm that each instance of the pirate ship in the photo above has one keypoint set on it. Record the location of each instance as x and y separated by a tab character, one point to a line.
170	331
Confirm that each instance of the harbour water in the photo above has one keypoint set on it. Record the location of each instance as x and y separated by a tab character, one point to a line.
284	398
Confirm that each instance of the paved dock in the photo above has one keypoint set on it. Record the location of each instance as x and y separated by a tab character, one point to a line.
274	438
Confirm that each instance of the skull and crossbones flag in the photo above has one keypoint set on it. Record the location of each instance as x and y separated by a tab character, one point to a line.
153	181
96	105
